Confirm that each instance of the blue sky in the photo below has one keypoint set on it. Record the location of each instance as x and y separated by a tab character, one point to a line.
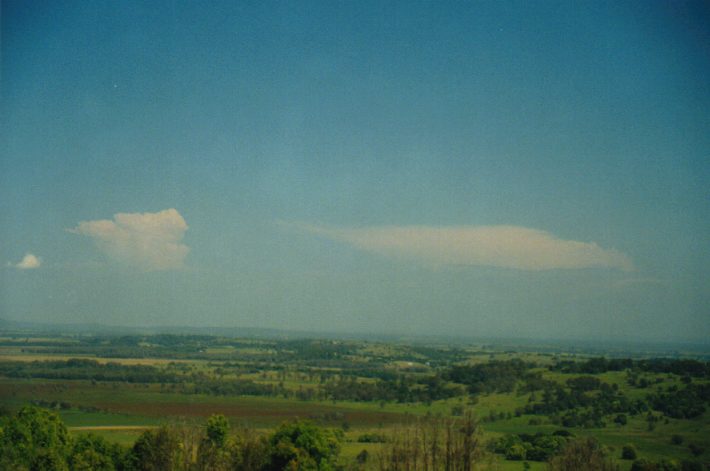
517	169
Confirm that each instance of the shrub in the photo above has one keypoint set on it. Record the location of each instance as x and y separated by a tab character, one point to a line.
628	452
515	452
696	450
371	438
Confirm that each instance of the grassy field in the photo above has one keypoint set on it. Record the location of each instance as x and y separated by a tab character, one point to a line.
120	411
121	361
138	405
124	412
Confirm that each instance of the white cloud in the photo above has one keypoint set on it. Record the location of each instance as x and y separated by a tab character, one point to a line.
149	241
495	246
28	262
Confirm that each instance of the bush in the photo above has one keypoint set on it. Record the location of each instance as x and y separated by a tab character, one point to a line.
628	452
642	465
302	445
371	438
524	446
34	439
362	457
621	419
691	466
515	452
696	450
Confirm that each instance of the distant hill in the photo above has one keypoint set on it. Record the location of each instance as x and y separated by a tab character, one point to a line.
581	346
10	326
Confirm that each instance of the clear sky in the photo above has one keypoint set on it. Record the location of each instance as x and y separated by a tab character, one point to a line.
516	169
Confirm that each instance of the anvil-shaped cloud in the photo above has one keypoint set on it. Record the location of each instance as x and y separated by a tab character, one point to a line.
149	241
495	246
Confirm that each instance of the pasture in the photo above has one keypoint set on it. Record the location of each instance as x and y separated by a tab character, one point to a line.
118	388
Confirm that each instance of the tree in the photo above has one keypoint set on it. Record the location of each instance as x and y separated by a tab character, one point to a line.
34	439
516	452
628	452
217	429
248	451
155	451
213	453
642	465
94	453
582	455
662	465
303	446
362	457
433	443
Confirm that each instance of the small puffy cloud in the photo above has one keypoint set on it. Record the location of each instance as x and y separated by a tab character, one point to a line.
495	246
149	241
28	262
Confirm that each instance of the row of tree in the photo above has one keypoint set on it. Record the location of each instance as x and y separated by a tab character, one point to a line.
585	401
681	367
35	439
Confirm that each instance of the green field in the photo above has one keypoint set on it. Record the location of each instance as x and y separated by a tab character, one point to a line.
122	388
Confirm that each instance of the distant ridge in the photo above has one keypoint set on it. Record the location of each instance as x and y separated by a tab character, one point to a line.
104	329
582	346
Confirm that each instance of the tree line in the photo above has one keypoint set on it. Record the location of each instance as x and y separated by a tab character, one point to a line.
35	439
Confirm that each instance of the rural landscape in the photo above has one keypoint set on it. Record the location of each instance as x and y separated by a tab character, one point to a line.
183	402
355	235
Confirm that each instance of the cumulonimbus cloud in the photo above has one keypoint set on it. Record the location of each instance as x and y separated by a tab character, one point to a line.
28	262
149	241
494	246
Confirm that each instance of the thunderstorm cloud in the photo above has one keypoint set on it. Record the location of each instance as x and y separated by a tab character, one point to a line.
28	262
149	241
511	247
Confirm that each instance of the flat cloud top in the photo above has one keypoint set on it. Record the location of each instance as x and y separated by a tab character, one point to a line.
496	246
28	262
149	241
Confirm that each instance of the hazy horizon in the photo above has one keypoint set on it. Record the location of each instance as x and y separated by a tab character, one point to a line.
587	345
518	170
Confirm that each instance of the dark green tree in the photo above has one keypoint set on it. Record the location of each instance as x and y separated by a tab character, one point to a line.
94	453
155	450
301	445
362	457
248	452
213	453
217	429
628	452
34	439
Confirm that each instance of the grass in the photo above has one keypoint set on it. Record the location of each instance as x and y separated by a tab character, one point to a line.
138	405
121	405
148	402
16	356
78	418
